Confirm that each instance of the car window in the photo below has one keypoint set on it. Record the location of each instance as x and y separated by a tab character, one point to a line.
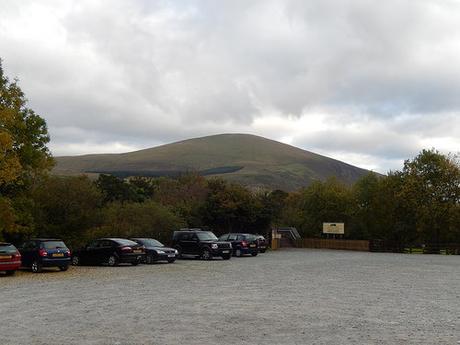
106	244
223	237
194	237
94	244
53	245
232	237
206	236
7	249
184	237
123	242
29	245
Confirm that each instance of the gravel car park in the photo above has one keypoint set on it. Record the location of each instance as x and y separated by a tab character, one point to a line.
296	296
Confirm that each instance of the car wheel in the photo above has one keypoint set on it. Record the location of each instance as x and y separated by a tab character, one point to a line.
64	268
206	254
75	260
10	273
36	267
238	252
171	260
226	257
149	259
263	250
112	261
254	253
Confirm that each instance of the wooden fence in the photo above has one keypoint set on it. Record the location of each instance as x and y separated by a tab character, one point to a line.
322	243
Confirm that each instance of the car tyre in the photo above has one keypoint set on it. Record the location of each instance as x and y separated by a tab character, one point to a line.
75	260
206	254
36	267
254	253
171	260
226	257
263	250
64	268
238	252
10	273
112	261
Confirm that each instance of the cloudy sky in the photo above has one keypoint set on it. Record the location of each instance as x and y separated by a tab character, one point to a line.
368	82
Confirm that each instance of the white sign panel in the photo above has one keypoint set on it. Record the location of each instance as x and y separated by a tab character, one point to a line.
334	228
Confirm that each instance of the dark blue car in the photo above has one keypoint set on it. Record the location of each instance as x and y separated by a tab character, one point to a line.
42	252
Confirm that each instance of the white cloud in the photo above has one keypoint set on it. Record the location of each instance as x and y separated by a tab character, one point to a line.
367	83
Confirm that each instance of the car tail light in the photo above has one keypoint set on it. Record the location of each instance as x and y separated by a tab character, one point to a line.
244	243
17	255
126	249
68	252
42	252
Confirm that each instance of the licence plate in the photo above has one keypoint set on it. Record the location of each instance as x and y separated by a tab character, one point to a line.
171	255
58	255
225	251
252	245
5	256
137	251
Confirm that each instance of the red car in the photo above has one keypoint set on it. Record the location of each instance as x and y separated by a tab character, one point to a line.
10	258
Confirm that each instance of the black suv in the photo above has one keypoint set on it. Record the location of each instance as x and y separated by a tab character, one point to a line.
45	252
200	243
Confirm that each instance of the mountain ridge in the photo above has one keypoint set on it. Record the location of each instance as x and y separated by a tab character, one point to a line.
251	160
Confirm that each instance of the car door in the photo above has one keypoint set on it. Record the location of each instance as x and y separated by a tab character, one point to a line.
27	252
106	249
90	255
233	238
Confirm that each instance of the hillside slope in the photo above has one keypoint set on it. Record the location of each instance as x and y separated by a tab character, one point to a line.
248	159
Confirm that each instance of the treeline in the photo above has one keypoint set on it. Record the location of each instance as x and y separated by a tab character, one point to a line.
419	204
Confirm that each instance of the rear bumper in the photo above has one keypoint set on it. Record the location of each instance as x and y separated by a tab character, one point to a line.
249	250
129	259
55	262
10	266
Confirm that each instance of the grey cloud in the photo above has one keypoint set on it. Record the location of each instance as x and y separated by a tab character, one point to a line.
143	72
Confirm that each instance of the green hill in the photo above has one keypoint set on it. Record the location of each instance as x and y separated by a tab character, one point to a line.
248	159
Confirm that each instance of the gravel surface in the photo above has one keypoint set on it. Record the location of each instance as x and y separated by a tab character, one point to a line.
296	296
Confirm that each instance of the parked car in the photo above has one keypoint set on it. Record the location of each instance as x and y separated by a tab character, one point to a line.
10	258
242	244
45	252
156	251
262	243
200	243
110	251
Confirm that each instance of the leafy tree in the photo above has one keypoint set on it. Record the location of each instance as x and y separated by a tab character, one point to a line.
431	187
24	157
66	207
147	219
116	189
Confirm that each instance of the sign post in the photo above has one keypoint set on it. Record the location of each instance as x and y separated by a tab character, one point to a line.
334	229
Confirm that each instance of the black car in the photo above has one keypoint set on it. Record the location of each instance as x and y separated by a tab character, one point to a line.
45	252
156	251
200	243
110	251
242	243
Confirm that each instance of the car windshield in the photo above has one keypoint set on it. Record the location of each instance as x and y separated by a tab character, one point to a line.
7	249
54	244
207	236
124	242
150	242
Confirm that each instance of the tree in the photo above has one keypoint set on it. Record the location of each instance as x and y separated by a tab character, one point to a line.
431	187
24	156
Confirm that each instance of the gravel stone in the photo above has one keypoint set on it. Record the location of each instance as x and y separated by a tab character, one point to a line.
290	296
